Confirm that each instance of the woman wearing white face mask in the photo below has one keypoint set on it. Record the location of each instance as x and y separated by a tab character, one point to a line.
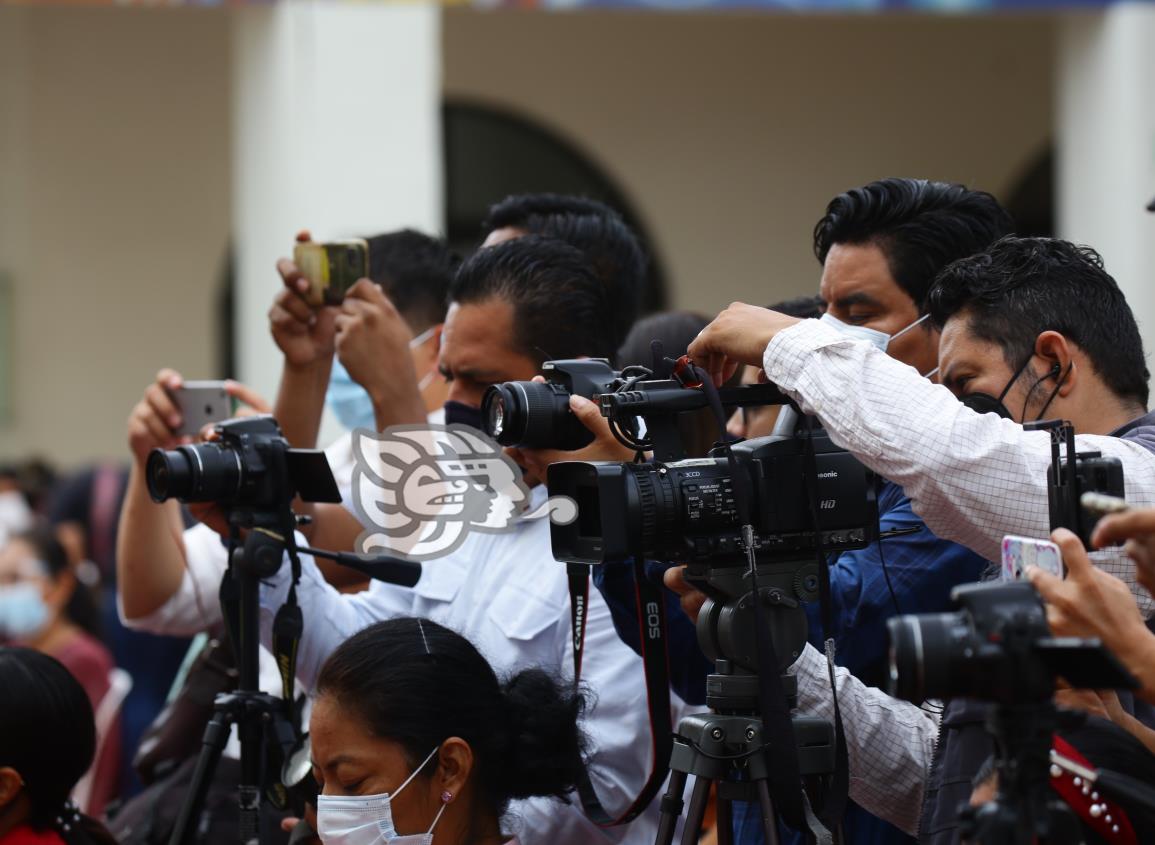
416	742
38	596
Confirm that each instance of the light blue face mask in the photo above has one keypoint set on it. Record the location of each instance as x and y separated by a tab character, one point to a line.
348	400
879	339
22	610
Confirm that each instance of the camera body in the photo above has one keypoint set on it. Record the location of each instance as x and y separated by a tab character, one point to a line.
686	510
536	415
250	466
997	647
1093	473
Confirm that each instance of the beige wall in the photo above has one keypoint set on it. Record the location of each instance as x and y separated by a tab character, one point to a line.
114	213
730	133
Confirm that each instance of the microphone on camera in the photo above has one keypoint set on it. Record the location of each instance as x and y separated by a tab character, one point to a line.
391	570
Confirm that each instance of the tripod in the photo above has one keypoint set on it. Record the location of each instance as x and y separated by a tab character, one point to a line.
1026	809
261	719
715	746
728	746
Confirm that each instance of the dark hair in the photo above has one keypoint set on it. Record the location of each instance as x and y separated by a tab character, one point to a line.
803	307
81	608
559	305
920	226
418	683
1021	287
594	228
676	330
49	737
415	271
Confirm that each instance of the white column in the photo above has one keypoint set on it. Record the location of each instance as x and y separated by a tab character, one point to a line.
336	128
1106	145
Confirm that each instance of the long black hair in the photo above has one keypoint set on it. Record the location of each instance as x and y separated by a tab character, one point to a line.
49	737
418	683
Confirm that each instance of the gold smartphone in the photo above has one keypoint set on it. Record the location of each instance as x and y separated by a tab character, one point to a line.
331	268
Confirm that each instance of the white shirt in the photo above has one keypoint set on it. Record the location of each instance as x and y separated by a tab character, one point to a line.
196	607
510	598
972	477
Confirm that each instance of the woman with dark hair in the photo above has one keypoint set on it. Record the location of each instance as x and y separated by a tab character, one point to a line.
38	594
46	745
415	740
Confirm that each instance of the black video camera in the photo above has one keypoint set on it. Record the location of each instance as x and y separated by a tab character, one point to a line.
537	415
686	510
251	466
997	647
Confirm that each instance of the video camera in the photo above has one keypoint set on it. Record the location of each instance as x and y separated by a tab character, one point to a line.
250	466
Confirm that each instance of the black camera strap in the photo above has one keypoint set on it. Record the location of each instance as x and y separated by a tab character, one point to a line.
655	661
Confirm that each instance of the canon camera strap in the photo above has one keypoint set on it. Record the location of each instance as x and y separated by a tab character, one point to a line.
655	660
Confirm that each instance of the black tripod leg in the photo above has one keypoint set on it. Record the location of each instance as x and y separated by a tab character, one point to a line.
698	800
769	817
725	817
215	737
671	808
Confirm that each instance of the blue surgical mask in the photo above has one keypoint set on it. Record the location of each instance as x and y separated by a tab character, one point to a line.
368	819
23	612
348	400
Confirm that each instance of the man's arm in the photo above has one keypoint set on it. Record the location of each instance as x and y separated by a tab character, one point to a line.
149	557
890	743
973	477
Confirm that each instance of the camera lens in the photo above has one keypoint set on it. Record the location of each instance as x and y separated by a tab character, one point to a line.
206	472
928	654
168	474
495	416
502	415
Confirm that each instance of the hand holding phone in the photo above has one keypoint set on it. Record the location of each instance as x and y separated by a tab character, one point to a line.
1019	553
331	268
202	403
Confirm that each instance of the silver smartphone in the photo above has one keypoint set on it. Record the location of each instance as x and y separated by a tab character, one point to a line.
202	403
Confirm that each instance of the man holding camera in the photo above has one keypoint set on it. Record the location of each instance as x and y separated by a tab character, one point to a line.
1031	328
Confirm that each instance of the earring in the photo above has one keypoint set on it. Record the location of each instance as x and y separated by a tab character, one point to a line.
446	797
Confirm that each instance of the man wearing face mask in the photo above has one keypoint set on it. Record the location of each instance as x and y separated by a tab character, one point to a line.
1030	328
880	246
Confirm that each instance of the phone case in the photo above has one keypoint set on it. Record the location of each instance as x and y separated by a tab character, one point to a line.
331	268
1021	552
202	403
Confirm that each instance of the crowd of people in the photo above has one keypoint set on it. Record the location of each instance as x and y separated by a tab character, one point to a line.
463	710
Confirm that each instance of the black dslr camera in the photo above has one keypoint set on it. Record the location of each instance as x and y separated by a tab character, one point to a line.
997	647
251	466
537	415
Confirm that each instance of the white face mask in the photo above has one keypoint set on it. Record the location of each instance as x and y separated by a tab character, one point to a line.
368	819
880	340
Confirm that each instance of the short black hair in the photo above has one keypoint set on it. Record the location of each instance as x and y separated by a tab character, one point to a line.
414	270
1021	287
559	307
418	683
594	228
802	307
919	225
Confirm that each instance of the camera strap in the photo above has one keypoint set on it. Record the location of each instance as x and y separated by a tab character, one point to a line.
288	626
655	661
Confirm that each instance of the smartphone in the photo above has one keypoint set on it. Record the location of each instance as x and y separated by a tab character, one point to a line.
1021	552
331	268
202	403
